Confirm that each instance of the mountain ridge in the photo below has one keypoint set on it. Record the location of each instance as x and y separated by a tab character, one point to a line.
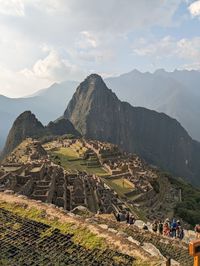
168	92
97	113
174	93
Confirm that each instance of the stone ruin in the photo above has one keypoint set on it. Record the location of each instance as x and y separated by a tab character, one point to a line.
40	179
51	184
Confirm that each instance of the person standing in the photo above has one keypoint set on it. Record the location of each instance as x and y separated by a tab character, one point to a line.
131	219
160	228
197	230
166	229
127	217
174	228
155	227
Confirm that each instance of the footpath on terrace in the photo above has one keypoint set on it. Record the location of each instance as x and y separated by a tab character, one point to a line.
129	240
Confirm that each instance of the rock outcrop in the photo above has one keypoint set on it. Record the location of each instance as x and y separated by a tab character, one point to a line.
62	126
97	113
27	125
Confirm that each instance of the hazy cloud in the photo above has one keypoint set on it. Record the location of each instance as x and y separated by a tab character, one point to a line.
52	40
12	7
168	46
194	8
54	68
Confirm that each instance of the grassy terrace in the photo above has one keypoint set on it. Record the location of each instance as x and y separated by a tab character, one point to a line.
120	185
29	237
70	160
81	235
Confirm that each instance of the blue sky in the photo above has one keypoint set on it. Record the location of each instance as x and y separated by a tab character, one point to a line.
47	41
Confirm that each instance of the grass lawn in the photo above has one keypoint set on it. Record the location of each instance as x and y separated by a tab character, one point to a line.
68	153
120	185
70	161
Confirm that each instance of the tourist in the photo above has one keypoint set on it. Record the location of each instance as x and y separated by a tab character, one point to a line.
118	217
127	217
122	216
155	227
160	227
197	230
180	232
131	220
166	229
173	228
145	227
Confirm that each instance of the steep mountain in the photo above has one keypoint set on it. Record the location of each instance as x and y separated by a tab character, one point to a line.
61	127
174	93
47	105
27	125
97	113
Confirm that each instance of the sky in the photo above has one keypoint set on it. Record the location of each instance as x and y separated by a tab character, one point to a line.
48	41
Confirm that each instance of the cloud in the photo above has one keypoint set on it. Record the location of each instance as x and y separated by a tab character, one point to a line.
86	40
162	47
193	66
15	83
168	47
194	8
44	41
12	7
54	68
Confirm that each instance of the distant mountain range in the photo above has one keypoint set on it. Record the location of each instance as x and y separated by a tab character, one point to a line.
97	113
47	105
174	93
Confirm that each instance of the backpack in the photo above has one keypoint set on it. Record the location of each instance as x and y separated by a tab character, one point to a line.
160	226
174	225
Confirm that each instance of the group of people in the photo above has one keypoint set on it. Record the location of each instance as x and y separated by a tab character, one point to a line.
129	218
169	228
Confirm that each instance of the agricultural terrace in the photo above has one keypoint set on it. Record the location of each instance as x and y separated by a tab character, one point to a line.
70	160
120	185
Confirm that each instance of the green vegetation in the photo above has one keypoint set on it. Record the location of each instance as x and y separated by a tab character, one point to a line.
68	153
81	235
188	209
69	159
120	185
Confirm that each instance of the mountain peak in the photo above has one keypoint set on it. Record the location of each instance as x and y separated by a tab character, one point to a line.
92	82
26	115
26	125
160	71
97	113
94	77
92	92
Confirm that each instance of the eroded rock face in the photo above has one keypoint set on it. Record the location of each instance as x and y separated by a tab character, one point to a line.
28	126
97	113
61	127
